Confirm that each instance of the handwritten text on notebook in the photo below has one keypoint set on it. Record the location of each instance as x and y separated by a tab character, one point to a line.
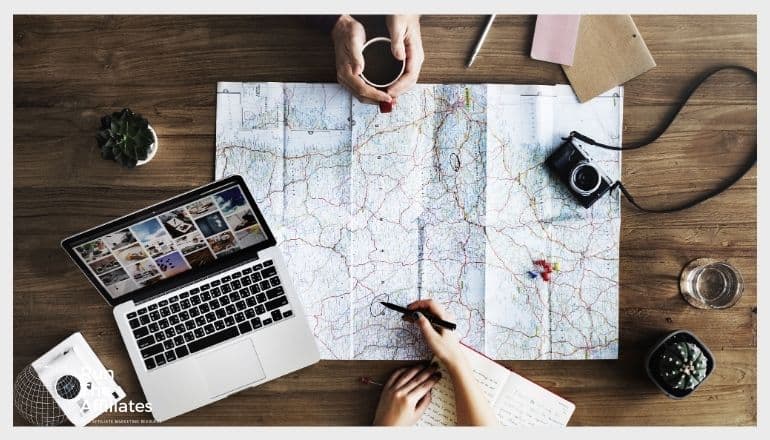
515	400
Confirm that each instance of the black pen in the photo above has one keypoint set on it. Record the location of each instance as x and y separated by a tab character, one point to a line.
435	320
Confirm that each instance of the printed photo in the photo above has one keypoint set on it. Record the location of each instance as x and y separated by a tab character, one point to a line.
190	243
241	219
201	207
171	264
223	242
93	250
143	270
131	254
200	258
117	283
250	236
230	200
104	265
177	222
211	224
119	239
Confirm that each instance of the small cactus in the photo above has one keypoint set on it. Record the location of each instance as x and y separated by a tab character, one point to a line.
125	137
682	365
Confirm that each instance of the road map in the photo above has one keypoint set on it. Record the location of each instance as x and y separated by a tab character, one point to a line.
446	197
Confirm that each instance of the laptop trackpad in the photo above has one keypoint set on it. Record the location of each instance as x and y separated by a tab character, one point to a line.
231	367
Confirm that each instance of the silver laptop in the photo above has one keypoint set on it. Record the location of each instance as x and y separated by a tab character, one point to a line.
201	295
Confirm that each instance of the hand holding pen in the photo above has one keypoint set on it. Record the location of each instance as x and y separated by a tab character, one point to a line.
443	343
435	320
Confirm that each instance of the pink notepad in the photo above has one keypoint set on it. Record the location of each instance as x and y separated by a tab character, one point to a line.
555	38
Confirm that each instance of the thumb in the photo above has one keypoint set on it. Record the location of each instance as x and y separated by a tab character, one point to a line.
356	53
397	47
397	35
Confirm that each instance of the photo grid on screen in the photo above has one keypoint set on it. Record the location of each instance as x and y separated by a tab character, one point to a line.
187	237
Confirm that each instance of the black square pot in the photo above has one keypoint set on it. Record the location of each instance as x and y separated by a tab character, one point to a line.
657	350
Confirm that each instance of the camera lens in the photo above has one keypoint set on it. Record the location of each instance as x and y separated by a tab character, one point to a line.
585	178
68	387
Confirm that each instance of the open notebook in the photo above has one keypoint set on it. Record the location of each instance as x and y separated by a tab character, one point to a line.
516	400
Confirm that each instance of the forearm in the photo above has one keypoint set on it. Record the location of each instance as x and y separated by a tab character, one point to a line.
473	408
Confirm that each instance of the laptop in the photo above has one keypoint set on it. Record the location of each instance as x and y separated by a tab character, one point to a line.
201	295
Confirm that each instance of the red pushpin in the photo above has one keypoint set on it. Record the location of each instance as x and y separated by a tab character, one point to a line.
369	381
540	263
546	276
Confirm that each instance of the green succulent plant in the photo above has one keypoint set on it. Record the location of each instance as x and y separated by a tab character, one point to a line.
125	137
682	365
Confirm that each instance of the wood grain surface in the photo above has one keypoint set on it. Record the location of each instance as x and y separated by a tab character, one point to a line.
70	70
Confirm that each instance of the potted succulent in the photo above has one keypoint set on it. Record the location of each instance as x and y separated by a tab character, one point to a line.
679	363
127	138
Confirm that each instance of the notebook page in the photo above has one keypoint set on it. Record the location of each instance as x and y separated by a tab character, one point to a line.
524	403
490	376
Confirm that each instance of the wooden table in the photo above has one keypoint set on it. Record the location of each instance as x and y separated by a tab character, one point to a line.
70	70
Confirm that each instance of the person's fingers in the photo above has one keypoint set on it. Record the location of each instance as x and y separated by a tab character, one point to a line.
423	404
366	101
397	29
409	78
394	377
414	59
424	387
350	64
408	375
432	337
355	53
364	92
432	306
406	82
421	377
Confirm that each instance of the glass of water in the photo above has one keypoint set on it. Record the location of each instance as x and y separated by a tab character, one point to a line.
707	283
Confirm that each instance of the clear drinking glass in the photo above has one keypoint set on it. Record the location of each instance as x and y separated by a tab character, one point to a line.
707	283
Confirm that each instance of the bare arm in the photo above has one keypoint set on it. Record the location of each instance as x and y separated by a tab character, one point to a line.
472	406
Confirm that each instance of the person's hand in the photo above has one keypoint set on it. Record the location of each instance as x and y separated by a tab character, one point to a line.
406	43
349	38
406	395
442	342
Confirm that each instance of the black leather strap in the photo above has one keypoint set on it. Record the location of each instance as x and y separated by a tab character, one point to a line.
662	129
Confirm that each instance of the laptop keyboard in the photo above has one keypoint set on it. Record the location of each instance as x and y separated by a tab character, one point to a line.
193	320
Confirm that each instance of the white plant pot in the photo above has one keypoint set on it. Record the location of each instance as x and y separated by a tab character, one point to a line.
153	148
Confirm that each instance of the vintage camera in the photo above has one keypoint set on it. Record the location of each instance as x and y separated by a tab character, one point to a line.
585	180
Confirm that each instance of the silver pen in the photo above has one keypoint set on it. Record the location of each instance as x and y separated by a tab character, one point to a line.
481	41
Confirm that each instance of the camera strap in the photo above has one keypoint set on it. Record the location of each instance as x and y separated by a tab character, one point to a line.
752	160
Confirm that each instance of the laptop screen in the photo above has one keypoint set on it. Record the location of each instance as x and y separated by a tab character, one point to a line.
193	233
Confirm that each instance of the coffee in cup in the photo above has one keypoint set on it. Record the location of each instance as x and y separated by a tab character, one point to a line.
381	68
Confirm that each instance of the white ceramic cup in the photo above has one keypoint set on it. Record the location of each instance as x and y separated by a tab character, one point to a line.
381	86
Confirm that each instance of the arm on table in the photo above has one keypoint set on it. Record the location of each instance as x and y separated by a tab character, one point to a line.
472	406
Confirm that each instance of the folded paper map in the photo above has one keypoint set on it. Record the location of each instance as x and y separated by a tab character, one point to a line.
446	197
